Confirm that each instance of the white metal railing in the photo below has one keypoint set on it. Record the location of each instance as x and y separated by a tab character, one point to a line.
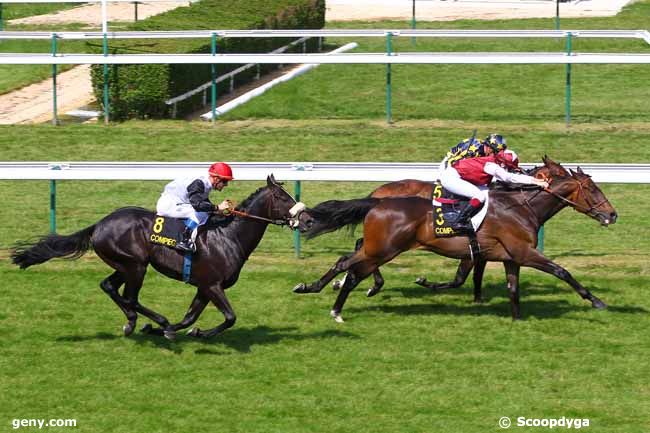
625	34
231	76
352	58
289	171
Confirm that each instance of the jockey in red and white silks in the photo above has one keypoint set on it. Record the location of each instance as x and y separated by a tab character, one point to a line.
188	198
465	176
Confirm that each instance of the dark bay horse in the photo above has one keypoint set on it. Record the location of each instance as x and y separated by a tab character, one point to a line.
121	240
508	233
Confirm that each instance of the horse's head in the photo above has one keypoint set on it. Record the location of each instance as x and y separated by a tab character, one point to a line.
578	190
284	207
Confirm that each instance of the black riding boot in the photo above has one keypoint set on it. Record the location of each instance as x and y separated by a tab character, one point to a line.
463	221
186	243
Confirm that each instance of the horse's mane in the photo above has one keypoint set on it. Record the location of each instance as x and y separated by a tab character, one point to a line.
219	221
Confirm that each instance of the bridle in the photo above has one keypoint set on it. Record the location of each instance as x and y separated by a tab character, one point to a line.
591	210
293	221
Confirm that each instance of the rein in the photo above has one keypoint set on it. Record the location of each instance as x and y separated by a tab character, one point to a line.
259	218
587	210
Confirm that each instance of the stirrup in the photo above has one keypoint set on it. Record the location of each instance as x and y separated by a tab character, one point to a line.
187	246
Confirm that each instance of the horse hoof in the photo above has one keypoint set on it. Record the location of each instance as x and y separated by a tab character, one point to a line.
147	328
194	332
300	288
336	285
597	303
336	316
128	329
170	335
372	292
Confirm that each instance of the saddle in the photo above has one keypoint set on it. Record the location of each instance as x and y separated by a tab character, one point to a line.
167	231
446	209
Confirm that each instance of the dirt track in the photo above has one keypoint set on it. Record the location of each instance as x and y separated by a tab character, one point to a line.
33	104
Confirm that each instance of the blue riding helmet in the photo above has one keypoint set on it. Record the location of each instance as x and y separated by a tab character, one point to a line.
496	142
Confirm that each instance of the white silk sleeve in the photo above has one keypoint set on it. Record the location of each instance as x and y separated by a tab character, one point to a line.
505	176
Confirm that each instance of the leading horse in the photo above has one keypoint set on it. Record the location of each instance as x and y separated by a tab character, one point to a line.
508	233
121	240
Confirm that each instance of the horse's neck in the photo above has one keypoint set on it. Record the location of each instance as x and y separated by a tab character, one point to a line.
545	205
249	232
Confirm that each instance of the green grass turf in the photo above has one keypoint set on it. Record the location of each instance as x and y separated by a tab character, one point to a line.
406	360
14	11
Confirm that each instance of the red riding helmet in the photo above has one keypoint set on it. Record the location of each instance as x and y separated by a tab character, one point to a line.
221	169
507	158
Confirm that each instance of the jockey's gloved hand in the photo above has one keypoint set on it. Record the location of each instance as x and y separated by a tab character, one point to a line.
541	182
224	207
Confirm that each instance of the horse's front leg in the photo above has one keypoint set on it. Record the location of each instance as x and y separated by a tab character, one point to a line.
196	308
512	276
479	270
217	296
317	286
535	259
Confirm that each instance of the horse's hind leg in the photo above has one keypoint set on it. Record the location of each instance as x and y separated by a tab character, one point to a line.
110	286
357	272
464	268
315	287
379	280
132	286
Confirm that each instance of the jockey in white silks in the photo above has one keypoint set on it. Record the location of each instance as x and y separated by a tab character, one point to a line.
188	198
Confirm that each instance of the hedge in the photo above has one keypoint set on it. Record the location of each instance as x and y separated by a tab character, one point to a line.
139	91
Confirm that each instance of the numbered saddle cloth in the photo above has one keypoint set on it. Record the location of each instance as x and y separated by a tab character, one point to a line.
446	207
167	231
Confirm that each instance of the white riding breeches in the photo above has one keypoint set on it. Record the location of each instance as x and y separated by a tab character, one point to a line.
451	180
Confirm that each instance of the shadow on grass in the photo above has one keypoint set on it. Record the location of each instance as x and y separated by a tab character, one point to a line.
238	339
540	309
497	290
242	339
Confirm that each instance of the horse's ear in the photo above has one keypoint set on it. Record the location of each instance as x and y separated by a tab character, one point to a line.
270	180
579	170
554	168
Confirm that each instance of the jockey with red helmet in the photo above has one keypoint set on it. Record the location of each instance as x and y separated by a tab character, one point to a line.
188	198
464	176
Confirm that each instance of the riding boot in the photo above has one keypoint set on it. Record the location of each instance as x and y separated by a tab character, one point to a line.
186	244
463	221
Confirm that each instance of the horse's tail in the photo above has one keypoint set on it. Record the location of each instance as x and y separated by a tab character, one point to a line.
335	214
26	254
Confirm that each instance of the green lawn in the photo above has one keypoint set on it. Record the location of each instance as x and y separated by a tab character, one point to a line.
406	360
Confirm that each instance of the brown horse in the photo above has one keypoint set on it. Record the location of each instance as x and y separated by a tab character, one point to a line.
418	188
508	233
